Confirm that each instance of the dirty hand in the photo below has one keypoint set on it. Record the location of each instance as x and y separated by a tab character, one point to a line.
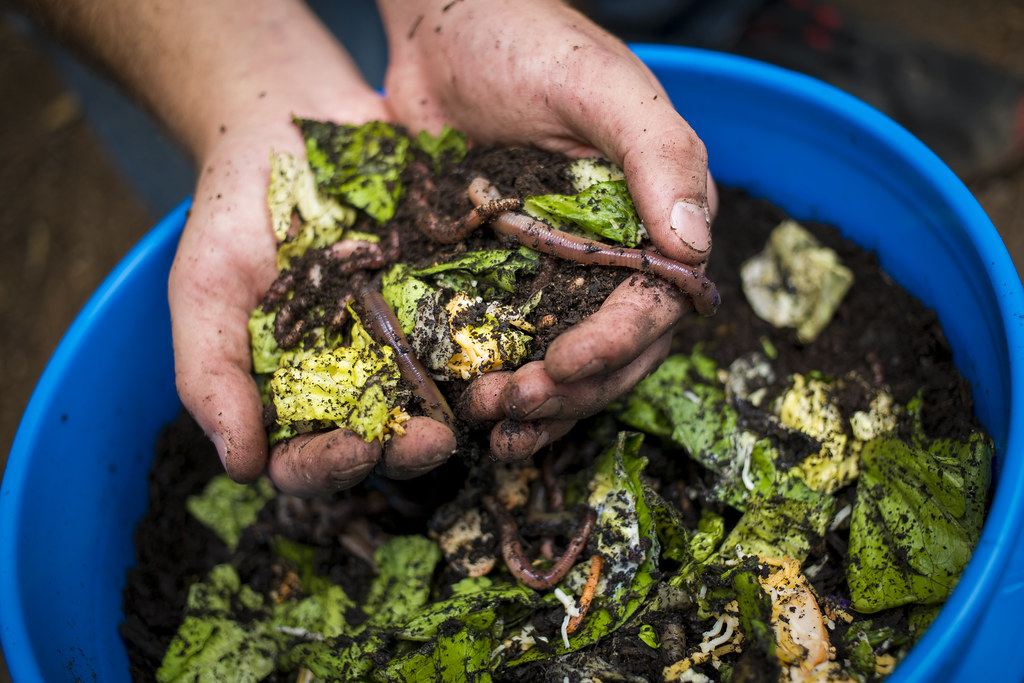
537	72
225	259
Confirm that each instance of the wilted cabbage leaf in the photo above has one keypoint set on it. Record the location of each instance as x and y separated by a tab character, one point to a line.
604	209
354	387
228	508
323	219
359	165
917	517
795	281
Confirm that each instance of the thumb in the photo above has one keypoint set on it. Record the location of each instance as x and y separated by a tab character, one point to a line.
666	168
629	118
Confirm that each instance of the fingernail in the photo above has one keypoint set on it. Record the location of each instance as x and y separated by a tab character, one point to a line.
692	223
543	439
591	368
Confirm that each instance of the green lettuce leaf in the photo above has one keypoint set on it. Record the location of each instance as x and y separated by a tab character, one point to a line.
404	294
916	519
266	354
323	220
474	603
684	402
604	209
462	654
405	568
786	523
480	273
354	387
449	146
359	165
212	644
228	508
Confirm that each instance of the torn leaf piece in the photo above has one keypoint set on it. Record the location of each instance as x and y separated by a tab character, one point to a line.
809	406
917	517
795	281
501	339
448	146
359	165
322	219
228	508
212	644
354	387
604	210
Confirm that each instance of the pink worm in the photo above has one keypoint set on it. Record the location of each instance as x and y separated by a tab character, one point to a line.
387	329
540	236
512	549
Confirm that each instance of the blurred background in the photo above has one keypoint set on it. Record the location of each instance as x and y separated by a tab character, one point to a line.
74	198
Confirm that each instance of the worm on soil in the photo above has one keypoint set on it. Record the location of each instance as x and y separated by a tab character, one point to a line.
386	328
540	236
588	593
512	549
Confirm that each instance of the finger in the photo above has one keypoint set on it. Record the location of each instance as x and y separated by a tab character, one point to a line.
639	311
481	401
619	106
531	394
320	464
512	440
425	444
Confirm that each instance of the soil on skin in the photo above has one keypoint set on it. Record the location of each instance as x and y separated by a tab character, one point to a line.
880	332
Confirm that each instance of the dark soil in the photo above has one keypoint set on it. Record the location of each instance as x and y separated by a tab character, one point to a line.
879	332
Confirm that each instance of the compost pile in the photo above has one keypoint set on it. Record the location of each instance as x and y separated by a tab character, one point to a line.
778	501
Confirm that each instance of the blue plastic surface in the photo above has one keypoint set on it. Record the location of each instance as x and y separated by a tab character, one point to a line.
74	488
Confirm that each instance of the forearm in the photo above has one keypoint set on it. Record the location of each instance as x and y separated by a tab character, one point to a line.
200	66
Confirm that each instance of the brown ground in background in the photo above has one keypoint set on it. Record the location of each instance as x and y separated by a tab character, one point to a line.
67	217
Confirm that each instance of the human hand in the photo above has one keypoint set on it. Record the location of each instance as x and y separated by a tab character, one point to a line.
226	261
537	72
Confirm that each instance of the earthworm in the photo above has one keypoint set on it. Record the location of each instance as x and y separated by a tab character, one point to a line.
540	236
588	593
289	323
364	257
512	549
450	233
387	330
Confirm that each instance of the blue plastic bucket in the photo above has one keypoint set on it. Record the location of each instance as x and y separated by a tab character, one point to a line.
75	486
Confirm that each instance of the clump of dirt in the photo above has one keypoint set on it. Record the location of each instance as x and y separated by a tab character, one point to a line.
879	332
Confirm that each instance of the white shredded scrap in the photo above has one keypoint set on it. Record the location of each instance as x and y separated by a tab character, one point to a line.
840	517
724	631
299	633
744	443
525	639
730	622
569	603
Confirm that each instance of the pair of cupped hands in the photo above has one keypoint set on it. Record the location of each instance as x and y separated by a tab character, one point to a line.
528	72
